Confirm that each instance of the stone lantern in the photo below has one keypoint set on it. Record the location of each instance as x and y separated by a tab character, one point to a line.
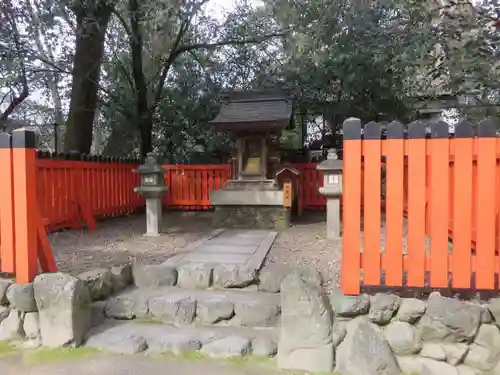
332	190
152	188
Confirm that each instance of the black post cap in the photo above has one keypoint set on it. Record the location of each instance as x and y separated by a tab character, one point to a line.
23	138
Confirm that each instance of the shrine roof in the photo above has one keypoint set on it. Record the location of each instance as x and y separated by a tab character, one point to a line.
254	109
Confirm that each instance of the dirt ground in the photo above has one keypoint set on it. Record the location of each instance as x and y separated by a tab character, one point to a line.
121	240
43	362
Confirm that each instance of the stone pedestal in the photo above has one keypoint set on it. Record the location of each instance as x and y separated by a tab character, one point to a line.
254	204
333	225
153	216
332	190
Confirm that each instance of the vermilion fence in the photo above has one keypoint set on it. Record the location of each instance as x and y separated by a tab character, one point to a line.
448	189
190	185
69	191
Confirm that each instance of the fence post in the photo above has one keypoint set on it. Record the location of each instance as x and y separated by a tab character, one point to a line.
7	254
351	215
25	205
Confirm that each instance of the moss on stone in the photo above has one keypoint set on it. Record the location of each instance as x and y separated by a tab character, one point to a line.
49	355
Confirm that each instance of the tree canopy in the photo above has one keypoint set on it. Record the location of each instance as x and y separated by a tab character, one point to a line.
127	76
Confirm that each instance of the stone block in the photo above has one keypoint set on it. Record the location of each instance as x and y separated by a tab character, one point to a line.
100	283
263	346
365	351
97	313
195	276
154	275
231	346
31	325
119	343
410	310
4	312
309	274
256	312
403	338
480	358
455	353
233	276
63	302
11	328
433	367
270	278
494	308
306	327
21	297
449	320
488	336
433	350
175	308
4	285
173	343
32	343
127	306
122	277
213	309
252	217
383	307
339	332
349	306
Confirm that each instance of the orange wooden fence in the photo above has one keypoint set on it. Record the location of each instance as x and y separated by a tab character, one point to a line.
190	185
69	191
24	245
447	189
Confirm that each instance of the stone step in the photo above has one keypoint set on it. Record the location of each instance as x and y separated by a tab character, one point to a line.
235	308
134	337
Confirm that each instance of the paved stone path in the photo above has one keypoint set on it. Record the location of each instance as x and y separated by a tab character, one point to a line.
244	248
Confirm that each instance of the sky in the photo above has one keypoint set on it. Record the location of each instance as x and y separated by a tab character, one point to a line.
224	6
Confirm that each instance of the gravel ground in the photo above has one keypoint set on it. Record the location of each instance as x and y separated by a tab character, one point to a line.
120	240
305	243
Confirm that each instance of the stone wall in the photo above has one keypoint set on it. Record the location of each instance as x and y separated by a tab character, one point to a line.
57	309
381	334
386	334
252	217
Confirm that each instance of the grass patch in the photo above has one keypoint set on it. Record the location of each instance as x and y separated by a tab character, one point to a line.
48	355
189	356
6	349
250	360
148	321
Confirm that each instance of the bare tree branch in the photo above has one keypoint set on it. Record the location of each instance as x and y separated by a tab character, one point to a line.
16	100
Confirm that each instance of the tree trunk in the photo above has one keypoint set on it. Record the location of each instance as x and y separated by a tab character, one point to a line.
89	50
144	113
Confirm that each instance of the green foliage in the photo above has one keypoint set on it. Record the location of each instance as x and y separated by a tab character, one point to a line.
342	58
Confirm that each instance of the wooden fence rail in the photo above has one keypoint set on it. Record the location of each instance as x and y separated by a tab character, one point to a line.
446	188
69	191
190	185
